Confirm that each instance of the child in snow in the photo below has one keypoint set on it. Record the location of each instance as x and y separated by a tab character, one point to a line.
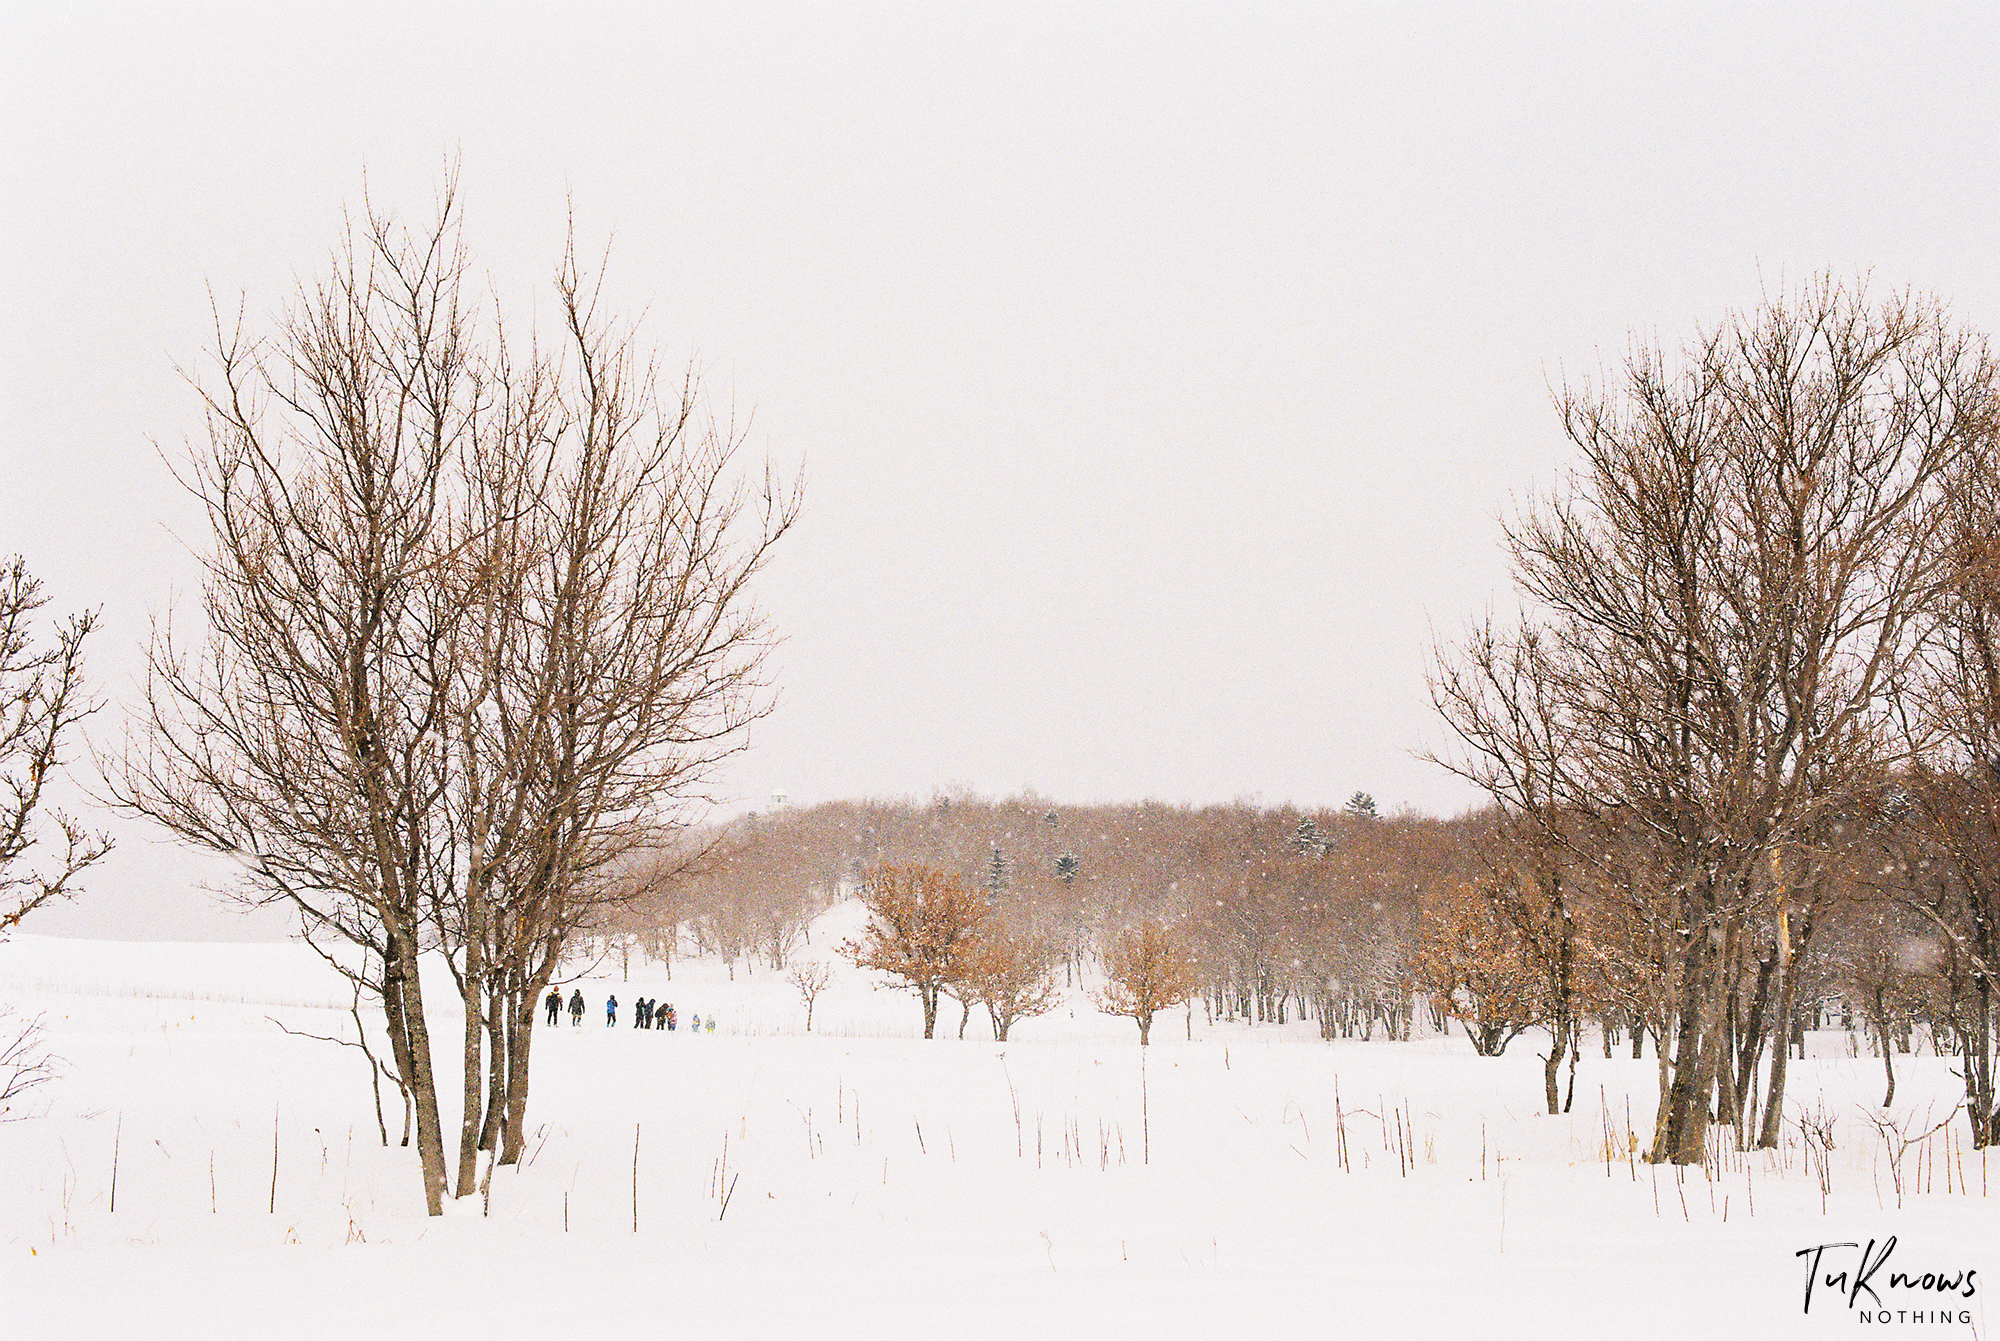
694	1024
610	1011
670	1015
576	1008
711	1024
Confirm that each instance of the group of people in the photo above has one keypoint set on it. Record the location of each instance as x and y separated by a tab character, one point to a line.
646	1014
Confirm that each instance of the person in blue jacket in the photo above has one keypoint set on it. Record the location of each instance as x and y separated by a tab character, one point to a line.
610	1011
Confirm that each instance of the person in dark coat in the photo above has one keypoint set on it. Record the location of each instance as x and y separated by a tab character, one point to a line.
642	1014
576	1008
610	1011
555	1003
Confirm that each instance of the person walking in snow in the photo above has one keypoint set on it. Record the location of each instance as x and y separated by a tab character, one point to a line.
576	1008
710	1026
694	1024
670	1015
642	1014
610	1011
555	1004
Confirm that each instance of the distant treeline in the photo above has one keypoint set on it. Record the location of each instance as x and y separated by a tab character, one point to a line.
1292	913
1345	918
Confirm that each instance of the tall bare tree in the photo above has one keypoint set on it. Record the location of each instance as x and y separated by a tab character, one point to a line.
1503	698
475	625
1952	805
610	660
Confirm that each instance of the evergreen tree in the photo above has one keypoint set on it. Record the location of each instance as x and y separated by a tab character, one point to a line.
1306	840
996	877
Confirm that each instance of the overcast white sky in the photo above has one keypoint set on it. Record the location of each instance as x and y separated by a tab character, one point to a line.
1159	373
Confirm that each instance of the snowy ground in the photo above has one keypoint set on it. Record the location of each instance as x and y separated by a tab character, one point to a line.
879	1185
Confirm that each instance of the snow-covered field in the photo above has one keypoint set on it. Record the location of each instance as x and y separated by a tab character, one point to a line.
1059	1185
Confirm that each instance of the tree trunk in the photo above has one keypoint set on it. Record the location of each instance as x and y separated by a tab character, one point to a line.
1728	996
1681	1127
1979	1100
1882	1032
1145	1028
472	1061
1781	1038
1562	1027
499	1013
403	1005
1751	1041
521	1036
1551	1066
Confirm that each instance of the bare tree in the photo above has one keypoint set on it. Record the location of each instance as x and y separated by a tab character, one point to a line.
309	737
24	1062
42	699
1951	807
610	658
811	978
1503	699
475	625
1727	596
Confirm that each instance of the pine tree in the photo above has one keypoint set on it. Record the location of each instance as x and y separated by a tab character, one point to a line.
996	877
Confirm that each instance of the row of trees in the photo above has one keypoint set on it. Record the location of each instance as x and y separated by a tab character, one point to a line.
1358	923
1290	915
1497	953
937	935
1753	674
